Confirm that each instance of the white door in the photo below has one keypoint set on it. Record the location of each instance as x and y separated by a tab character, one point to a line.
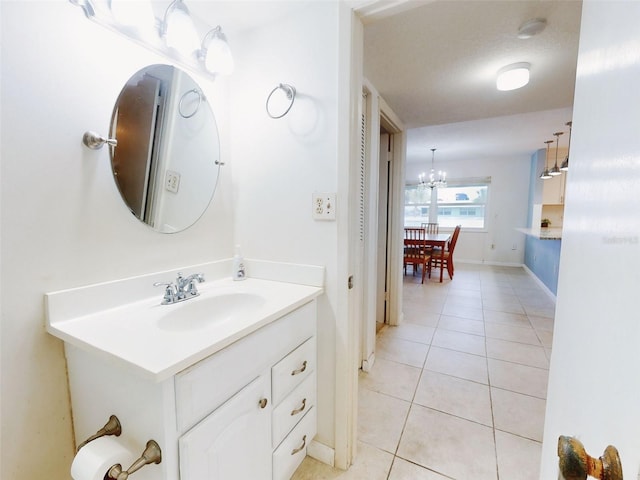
233	442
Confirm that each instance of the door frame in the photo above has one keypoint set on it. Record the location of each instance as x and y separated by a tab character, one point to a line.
349	324
378	114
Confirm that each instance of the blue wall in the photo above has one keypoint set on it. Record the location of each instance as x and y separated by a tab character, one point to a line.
542	257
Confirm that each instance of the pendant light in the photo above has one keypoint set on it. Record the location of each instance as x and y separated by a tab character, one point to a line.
565	164
555	171
545	173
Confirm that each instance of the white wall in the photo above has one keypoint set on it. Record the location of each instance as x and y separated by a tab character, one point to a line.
594	385
63	223
508	207
280	162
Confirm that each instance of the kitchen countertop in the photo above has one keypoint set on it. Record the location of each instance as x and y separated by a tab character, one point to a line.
549	233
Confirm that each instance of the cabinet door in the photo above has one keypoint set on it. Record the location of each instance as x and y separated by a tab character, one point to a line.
553	190
233	442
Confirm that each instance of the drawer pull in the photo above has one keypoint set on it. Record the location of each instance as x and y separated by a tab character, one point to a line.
301	447
262	402
298	410
301	369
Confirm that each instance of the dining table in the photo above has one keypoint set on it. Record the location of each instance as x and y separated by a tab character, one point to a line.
438	240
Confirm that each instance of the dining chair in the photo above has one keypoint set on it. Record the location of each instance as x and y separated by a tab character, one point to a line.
430	227
446	258
415	251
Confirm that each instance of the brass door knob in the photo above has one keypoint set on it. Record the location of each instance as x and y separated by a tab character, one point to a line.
576	464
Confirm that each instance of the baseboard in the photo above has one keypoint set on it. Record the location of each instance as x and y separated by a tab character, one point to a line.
321	452
495	264
551	295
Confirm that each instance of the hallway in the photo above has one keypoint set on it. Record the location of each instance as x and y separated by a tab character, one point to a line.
458	390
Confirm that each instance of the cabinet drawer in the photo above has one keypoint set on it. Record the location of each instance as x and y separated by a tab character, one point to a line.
292	370
293	408
293	449
205	386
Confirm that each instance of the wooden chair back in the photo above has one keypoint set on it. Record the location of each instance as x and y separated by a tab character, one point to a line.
454	239
415	250
430	227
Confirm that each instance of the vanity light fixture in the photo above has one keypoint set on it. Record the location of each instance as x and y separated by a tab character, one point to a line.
555	171
174	35
178	30
513	76
138	14
545	173
215	52
565	165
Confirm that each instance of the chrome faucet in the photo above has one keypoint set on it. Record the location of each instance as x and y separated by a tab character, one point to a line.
184	288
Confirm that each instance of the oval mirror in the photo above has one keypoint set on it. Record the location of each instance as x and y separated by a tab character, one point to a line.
167	158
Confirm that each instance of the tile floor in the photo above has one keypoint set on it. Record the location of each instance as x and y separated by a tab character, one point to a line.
458	390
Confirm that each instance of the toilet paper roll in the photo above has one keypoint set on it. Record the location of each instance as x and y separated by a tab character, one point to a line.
94	459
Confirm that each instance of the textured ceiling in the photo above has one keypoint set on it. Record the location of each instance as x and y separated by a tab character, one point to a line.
435	66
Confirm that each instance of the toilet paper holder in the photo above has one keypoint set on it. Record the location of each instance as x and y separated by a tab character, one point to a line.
151	454
112	427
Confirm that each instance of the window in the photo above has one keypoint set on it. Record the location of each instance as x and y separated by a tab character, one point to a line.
457	204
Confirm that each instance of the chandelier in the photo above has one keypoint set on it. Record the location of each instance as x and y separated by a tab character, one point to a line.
434	181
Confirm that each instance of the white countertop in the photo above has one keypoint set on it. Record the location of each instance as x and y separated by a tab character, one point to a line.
549	233
133	336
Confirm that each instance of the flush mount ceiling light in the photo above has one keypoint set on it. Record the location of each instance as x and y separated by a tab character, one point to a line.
513	76
178	29
531	28
215	52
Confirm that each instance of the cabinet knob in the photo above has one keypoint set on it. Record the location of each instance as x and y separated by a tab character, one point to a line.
263	402
576	464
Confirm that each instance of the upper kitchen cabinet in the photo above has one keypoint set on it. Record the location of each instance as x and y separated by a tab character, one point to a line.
553	190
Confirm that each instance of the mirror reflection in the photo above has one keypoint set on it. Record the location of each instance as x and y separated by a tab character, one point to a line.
167	159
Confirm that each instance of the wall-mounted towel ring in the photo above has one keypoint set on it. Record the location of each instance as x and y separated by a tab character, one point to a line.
289	91
181	104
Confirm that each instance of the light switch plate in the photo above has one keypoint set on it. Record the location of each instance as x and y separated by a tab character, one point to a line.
323	206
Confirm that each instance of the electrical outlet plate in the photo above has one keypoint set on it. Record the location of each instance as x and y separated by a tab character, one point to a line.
172	181
323	206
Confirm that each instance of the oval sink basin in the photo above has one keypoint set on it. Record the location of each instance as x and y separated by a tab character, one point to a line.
206	311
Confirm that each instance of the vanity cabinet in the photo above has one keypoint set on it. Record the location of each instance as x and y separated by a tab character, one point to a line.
245	412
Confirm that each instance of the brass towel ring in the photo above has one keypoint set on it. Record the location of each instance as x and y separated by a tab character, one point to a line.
290	92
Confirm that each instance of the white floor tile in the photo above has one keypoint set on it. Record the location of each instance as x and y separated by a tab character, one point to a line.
468	365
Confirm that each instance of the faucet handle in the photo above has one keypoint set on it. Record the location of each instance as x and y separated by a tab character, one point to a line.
169	292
